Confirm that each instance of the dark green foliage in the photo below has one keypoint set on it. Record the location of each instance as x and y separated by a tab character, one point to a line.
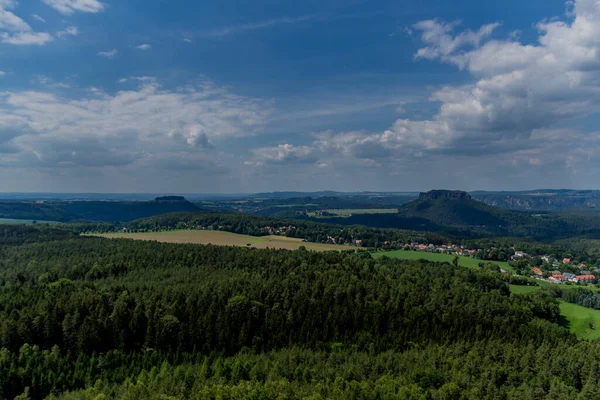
83	318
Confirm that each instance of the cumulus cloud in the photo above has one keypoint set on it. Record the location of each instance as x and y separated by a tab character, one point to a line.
14	30
68	7
194	136
518	90
144	46
103	129
69	31
108	54
284	154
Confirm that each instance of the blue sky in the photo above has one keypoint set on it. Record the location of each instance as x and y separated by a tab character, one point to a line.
235	96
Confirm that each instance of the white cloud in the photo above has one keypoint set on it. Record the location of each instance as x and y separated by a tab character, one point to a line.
284	154
51	83
518	89
68	7
144	46
9	21
108	54
440	42
38	18
14	30
2	73
69	31
187	40
194	136
26	38
230	30
131	125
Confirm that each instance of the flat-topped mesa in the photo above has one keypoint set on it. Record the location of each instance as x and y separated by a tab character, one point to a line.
445	195
170	198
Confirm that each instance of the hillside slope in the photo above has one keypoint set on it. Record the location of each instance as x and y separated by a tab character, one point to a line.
101	211
455	208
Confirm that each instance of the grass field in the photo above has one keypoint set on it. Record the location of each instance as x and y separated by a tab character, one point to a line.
518	289
220	238
348	212
583	321
8	221
439	257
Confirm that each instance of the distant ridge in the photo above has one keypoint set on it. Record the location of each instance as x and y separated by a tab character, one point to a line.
445	195
93	210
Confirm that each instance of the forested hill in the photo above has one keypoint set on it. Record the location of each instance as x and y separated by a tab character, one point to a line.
64	211
91	318
456	213
456	208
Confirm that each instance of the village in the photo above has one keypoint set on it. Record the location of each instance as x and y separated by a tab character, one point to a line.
549	269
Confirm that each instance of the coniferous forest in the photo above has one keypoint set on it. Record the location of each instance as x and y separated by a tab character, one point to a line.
92	318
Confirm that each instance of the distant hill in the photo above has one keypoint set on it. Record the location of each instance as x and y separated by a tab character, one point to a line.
454	208
443	211
102	211
543	200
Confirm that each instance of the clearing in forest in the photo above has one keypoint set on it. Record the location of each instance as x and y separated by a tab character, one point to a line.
583	321
438	257
221	238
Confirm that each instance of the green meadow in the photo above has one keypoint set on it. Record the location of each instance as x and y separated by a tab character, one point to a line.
468	262
583	321
517	289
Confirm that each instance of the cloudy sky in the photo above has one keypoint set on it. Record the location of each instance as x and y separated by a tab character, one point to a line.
233	96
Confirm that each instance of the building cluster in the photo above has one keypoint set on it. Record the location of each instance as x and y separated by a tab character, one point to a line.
450	249
280	230
584	275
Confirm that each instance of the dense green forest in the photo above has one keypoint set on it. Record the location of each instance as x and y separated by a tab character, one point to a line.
92	318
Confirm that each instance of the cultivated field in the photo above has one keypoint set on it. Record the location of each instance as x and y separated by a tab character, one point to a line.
439	257
220	238
8	221
348	212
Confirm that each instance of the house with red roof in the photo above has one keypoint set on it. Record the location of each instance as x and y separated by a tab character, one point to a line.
537	271
585	278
